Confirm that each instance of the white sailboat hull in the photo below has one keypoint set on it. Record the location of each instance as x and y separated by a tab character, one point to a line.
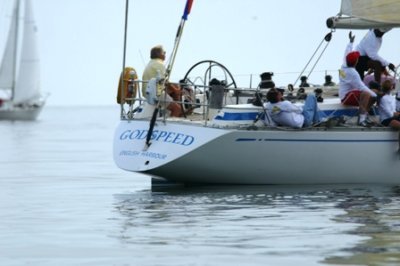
22	113
196	154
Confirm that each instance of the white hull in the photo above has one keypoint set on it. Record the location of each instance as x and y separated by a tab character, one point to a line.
24	113
265	156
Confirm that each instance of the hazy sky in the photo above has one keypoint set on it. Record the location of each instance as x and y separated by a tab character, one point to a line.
81	41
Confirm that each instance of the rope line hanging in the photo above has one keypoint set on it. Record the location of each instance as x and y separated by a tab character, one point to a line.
327	39
322	53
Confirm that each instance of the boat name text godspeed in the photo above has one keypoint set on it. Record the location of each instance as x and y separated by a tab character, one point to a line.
158	135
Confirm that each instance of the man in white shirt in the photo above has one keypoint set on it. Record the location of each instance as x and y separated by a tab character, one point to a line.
369	58
387	109
285	113
352	90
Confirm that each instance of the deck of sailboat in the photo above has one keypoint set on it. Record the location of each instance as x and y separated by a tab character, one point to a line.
348	125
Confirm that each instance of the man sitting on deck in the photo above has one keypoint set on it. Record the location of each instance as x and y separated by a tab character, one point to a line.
285	113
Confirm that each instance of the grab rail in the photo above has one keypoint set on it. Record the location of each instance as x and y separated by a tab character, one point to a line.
202	99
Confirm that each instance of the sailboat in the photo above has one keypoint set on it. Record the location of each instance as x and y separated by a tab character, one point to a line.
20	97
231	144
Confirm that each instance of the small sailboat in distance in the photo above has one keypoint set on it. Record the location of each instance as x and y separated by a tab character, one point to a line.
20	96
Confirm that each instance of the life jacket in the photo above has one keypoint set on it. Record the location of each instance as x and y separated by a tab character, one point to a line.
128	76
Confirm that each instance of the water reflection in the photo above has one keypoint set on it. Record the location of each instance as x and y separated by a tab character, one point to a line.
338	225
378	212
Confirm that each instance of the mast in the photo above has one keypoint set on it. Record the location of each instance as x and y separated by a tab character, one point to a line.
14	74
124	54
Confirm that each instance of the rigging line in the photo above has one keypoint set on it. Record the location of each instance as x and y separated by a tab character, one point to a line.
142	58
174	50
316	62
302	71
172	61
186	12
309	61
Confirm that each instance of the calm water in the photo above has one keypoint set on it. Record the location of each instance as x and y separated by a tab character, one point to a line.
64	202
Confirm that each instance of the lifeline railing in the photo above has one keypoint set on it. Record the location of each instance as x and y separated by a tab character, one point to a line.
204	98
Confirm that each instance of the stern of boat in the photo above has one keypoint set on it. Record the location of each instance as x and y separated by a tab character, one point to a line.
169	141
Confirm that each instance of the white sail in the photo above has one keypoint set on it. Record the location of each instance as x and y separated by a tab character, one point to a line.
19	69
384	11
27	86
364	14
8	64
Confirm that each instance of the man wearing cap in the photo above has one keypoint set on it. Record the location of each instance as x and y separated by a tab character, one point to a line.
352	90
369	57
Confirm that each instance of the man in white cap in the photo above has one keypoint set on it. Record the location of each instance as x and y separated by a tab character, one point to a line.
369	57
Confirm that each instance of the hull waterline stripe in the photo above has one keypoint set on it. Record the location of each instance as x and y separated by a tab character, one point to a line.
313	140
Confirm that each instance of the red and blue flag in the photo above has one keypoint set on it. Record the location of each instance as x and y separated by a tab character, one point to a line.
187	9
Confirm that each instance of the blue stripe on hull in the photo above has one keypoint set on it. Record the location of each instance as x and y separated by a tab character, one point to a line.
253	115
